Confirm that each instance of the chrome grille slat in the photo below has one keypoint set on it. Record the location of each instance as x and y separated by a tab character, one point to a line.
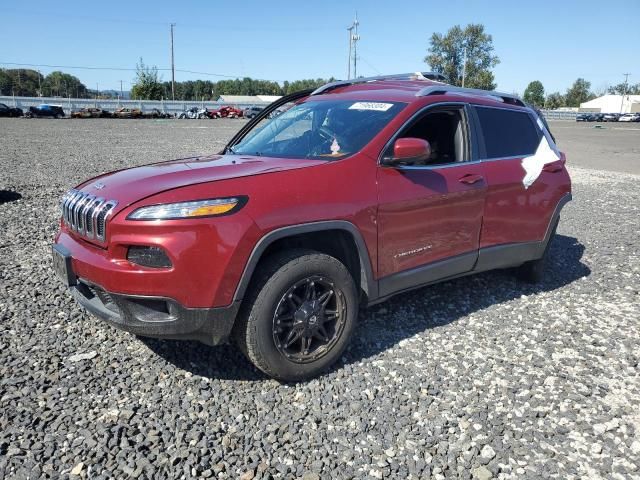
82	214
94	216
66	205
72	209
86	214
76	212
101	219
89	226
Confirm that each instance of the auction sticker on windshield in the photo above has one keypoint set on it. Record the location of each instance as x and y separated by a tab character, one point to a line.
377	106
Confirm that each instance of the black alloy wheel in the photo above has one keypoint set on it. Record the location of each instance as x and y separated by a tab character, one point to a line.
308	319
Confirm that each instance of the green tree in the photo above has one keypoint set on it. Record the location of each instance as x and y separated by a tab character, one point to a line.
625	89
446	55
20	82
147	85
5	82
554	100
297	85
62	84
534	94
578	93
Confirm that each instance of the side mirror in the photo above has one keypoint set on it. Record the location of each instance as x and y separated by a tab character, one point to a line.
409	150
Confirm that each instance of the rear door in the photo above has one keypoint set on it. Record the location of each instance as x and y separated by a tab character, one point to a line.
521	195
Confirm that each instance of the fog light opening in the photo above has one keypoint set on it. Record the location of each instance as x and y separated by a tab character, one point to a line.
153	257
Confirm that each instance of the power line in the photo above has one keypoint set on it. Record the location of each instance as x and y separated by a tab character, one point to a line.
123	69
372	67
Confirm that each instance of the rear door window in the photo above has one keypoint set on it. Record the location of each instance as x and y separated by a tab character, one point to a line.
507	133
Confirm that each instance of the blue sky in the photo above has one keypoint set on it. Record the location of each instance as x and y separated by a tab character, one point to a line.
551	41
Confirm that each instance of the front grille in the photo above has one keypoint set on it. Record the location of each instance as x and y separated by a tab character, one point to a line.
86	214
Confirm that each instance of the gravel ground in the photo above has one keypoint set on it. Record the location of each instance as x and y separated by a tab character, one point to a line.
475	378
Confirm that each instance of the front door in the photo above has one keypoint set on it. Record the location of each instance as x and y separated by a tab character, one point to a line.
430	215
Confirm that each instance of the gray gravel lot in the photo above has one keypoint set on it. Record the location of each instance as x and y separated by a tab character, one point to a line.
475	378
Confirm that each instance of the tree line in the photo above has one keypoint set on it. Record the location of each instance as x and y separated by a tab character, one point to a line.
148	86
576	94
31	83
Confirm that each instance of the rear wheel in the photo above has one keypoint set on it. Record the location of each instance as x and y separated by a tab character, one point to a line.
298	315
533	271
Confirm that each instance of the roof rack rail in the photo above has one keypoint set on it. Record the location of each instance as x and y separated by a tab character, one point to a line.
397	76
444	89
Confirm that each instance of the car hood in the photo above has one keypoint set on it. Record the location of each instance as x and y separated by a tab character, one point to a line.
134	184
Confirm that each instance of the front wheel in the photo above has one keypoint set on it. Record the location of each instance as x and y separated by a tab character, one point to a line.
298	315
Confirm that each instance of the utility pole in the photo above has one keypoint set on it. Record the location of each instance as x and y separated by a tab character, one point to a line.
121	94
350	30
464	66
353	40
356	37
626	78
173	68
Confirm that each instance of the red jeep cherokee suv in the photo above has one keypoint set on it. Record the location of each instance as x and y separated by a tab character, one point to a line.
361	190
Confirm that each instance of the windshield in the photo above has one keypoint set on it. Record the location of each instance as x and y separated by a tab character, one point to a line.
319	129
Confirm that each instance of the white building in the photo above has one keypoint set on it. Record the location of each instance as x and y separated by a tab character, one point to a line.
612	104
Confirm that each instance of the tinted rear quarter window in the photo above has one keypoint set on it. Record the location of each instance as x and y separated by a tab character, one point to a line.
507	133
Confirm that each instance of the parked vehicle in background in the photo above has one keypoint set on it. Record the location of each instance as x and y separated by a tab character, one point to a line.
196	112
127	113
45	110
584	117
156	113
279	111
7	111
610	117
251	112
362	190
630	117
227	112
598	117
91	112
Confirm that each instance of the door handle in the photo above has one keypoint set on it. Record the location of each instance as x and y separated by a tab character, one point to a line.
552	168
471	178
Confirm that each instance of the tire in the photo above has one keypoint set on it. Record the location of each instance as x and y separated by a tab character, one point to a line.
278	289
533	271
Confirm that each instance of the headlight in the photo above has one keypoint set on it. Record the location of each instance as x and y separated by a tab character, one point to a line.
199	208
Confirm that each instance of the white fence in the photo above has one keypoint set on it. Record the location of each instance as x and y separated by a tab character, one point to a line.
559	115
71	104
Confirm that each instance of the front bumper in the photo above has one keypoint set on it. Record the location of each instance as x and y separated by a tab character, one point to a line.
156	317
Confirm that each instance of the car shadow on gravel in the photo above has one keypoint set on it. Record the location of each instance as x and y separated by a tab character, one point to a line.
7	196
444	303
379	329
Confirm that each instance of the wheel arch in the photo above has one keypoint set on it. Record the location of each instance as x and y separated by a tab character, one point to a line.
309	234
